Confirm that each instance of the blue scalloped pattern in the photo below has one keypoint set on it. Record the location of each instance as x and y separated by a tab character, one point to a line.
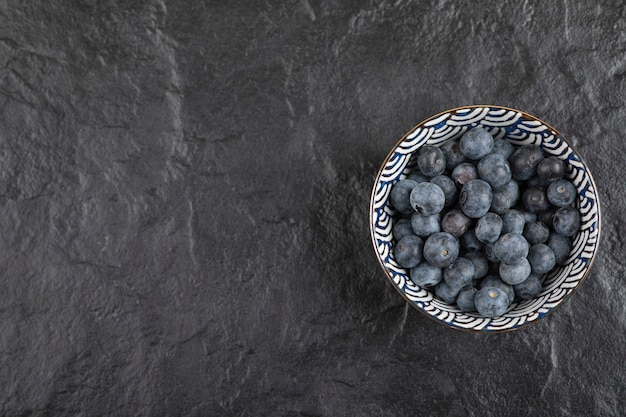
518	129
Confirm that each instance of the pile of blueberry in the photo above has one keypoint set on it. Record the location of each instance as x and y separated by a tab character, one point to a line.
483	221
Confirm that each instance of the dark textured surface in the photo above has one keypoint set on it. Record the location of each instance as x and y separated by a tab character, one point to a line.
183	205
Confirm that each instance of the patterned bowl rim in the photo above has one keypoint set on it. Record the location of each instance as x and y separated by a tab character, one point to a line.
525	115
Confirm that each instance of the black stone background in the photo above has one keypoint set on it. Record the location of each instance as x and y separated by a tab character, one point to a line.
184	191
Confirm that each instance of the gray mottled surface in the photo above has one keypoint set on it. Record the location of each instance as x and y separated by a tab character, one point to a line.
183	206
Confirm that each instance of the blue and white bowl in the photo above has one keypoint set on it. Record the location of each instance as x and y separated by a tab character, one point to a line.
518	128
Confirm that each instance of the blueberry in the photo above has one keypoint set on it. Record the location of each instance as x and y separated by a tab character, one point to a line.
550	169
535	200
566	221
500	201
536	232
401	229
465	299
561	193
491	302
541	258
528	289
417	177
424	226
510	248
502	147
561	246
400	193
489	253
408	251
512	189
441	249
464	173
460	273
427	198
426	275
481	266
513	222
455	222
514	274
524	161
475	198
495	281
495	170
470	242
488	228
476	143
431	161
446	292
505	197
528	216
448	187
452	152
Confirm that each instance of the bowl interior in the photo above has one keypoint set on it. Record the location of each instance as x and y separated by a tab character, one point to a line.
519	128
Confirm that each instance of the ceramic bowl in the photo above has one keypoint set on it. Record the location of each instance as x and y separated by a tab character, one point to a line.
519	128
